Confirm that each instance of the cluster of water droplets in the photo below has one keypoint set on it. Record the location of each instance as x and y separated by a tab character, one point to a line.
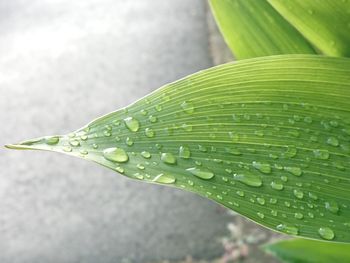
139	145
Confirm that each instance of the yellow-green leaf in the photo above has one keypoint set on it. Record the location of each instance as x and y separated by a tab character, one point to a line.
266	137
325	23
253	28
309	251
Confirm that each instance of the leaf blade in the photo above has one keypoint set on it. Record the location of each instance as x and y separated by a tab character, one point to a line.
326	24
266	137
309	251
254	28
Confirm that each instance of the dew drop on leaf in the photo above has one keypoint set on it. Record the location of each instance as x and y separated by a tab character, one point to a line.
129	141
201	173
184	152
332	207
74	143
168	158
293	170
291	230
333	141
248	178
262	167
67	149
149	132
298	194
276	185
261	200
298	215
187	107
115	155
52	140
326	233
145	154
164	179
132	124
321	154
261	215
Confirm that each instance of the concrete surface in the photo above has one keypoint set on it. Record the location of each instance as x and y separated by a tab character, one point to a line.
63	63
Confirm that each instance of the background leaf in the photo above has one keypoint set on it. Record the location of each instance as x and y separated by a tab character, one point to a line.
267	137
326	23
254	28
309	251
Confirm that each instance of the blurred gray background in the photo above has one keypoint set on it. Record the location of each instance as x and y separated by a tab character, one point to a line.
62	64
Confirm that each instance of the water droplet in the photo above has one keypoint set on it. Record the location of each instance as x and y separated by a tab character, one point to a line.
262	167
313	196
201	173
164	179
277	185
52	140
261	200
107	133
290	152
119	169
298	194
284	178
184	152
274	212
83	152
145	154
261	215
188	107
249	179
115	155
233	151
298	215
129	141
168	158
291	230
333	141
321	154
293	170
144	112
149	132
152	118
332	207
74	143
240	193
140	166
326	233
132	124
273	201
67	149
158	107
202	148
138	176
95	146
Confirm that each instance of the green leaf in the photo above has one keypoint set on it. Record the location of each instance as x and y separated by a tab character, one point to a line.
266	137
309	251
254	28
325	23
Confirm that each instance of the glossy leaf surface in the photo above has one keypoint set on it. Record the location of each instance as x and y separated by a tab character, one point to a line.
267	137
309	251
326	23
254	28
